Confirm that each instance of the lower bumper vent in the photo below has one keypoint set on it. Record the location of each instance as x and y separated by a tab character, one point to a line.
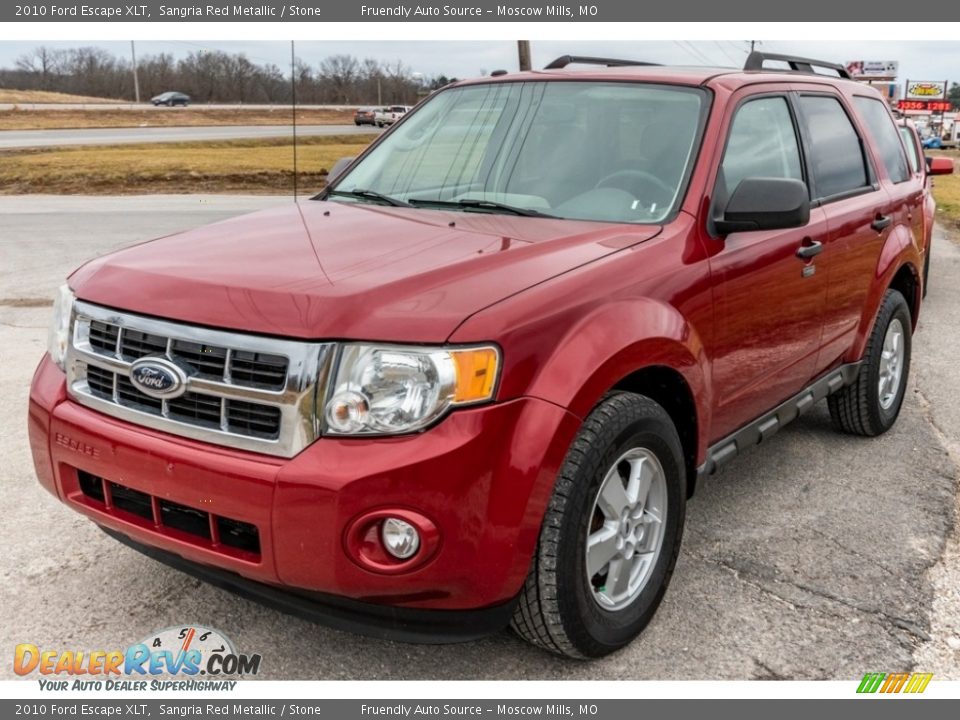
234	537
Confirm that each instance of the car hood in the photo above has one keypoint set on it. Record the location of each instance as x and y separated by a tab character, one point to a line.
346	270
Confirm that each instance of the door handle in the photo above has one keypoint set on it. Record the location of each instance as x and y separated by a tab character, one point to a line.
880	222
810	249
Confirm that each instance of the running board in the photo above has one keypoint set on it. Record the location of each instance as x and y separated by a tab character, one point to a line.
767	424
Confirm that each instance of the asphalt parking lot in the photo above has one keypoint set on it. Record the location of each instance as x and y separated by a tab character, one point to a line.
815	556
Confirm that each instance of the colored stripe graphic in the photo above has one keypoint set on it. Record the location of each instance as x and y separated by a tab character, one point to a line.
913	683
918	682
871	682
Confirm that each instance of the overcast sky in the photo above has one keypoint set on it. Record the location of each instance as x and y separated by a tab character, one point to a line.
918	60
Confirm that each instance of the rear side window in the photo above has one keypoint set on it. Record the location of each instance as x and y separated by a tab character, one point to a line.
913	152
836	155
762	143
885	136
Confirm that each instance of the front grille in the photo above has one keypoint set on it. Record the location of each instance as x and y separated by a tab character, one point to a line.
238	416
243	391
241	367
233	537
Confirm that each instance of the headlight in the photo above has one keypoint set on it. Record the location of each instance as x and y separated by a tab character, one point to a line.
59	335
382	389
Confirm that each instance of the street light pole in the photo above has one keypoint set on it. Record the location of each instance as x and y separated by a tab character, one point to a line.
523	53
136	80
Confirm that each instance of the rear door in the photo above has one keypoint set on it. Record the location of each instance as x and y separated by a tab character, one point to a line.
859	213
768	301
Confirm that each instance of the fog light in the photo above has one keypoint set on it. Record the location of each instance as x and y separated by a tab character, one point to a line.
400	538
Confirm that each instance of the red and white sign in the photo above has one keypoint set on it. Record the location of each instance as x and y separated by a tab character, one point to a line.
873	68
926	90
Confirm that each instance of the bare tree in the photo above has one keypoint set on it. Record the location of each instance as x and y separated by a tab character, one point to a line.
216	76
41	61
340	73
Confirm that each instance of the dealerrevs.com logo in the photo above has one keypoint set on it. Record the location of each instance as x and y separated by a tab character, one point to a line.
186	651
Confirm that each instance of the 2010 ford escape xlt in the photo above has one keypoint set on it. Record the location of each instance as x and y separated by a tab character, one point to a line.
475	380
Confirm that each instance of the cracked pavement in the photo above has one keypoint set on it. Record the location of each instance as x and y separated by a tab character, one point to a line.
813	556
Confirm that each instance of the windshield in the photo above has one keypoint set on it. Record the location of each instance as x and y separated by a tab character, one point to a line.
617	152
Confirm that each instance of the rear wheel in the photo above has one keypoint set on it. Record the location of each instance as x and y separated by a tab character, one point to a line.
611	533
926	272
870	405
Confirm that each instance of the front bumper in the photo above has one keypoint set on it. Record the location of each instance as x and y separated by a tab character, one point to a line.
386	622
483	476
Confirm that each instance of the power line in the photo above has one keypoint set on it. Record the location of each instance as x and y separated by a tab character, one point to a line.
692	52
703	55
724	51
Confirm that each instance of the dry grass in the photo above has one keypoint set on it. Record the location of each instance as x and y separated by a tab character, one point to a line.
946	190
149	116
43	96
236	166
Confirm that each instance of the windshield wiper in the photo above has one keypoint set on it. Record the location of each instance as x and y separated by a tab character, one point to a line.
469	203
370	195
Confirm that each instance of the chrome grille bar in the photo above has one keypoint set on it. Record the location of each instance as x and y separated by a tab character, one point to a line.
290	407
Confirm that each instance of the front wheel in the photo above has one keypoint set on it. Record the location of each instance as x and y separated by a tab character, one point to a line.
611	534
870	405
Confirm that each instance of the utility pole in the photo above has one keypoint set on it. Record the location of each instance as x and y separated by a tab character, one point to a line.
136	80
523	53
293	111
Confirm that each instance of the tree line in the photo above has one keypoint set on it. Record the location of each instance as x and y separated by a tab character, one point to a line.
217	76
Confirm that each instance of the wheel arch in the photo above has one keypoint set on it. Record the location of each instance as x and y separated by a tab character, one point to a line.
668	388
642	346
898	268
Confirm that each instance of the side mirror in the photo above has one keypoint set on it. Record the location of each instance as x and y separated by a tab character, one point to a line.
939	166
338	167
765	204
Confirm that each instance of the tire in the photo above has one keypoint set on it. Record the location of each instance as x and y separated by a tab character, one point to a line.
926	272
861	408
560	608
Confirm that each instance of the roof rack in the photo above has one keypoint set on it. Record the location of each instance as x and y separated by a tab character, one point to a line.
564	60
756	59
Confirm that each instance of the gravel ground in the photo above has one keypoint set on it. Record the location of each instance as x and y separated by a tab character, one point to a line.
815	556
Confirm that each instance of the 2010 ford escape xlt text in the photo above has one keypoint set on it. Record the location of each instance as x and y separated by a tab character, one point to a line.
475	380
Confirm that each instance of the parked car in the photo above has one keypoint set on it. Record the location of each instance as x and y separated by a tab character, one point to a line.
475	381
365	116
923	168
171	99
390	115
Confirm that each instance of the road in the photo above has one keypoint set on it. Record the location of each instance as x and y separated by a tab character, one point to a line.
145	106
814	556
10	139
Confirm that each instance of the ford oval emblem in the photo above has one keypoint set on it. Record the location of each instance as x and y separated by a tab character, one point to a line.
158	378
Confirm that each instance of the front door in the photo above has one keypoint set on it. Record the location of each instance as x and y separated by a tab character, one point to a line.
768	299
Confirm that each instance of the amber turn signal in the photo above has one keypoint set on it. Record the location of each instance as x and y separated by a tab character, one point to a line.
476	374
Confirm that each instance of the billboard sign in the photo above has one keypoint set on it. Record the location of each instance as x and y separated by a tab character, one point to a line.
926	90
873	68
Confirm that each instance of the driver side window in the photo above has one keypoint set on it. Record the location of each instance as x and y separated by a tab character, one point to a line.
762	143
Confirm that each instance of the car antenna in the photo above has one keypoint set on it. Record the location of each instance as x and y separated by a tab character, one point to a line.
293	96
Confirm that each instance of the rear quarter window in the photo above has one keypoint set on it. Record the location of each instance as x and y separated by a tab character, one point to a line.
913	152
885	136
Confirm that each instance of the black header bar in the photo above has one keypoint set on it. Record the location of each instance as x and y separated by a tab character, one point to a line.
457	11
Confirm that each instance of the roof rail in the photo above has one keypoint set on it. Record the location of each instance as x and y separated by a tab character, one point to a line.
756	59
564	60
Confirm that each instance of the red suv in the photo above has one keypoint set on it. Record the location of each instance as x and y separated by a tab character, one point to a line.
475	380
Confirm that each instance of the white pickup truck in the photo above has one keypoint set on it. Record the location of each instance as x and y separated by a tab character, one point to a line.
390	114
